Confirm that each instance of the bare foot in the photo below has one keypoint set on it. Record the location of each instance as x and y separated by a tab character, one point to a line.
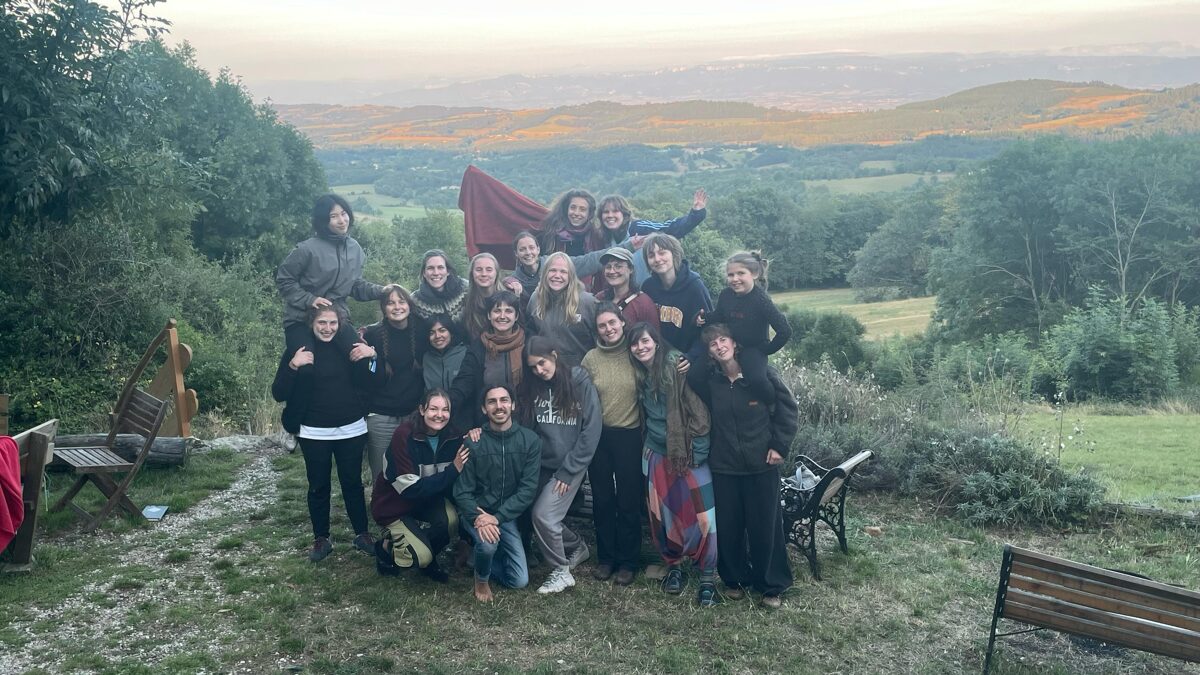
483	591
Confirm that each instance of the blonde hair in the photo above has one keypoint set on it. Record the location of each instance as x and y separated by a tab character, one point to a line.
475	314
547	300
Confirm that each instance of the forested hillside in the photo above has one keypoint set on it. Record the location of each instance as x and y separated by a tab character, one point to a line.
135	187
1007	109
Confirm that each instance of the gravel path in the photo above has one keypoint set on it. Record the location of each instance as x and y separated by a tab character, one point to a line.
99	610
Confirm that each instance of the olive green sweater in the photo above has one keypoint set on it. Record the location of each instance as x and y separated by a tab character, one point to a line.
616	381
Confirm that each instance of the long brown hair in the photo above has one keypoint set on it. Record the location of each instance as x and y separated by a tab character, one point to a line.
660	373
561	385
557	220
385	348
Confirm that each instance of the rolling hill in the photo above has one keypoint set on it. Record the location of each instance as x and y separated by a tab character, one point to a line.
1005	109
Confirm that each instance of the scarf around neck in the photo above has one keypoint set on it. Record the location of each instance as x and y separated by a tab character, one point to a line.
510	346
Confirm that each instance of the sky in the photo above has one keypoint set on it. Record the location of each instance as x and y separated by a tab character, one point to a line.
266	41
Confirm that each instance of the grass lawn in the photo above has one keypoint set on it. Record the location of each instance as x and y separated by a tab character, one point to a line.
1145	458
223	585
881	319
867	184
387	207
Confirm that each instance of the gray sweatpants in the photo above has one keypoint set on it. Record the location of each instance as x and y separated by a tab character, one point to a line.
379	436
549	509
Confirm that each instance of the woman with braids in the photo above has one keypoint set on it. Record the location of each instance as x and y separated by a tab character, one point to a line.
568	224
616	224
495	357
411	496
683	518
397	339
560	309
441	291
484	281
444	357
561	405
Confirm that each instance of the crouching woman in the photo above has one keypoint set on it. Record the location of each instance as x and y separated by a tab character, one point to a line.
411	496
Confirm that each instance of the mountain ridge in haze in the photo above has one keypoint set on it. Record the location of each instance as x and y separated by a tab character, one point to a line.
1092	109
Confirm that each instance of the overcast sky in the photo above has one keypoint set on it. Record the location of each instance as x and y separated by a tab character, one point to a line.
273	40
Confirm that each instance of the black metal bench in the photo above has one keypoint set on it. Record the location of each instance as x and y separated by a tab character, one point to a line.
1118	608
825	502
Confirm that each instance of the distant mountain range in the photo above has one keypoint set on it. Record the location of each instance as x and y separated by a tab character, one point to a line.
1006	109
832	82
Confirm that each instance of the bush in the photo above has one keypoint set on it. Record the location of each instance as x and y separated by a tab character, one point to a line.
817	335
930	445
996	480
1106	349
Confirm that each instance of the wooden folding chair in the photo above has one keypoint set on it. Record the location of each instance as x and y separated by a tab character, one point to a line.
136	412
140	414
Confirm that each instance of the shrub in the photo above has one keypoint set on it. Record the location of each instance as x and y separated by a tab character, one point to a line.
928	443
1106	349
996	480
834	335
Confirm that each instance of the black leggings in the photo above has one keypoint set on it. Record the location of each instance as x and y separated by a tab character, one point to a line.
319	458
618	494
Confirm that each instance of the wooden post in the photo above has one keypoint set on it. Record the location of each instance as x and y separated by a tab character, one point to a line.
168	382
3	414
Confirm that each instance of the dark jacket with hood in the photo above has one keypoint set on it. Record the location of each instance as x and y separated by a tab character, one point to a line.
415	472
743	428
679	305
325	265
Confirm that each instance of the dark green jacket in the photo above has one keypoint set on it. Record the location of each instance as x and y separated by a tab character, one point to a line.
501	477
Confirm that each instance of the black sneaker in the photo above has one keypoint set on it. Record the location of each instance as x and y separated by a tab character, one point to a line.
436	573
624	576
385	564
707	596
602	572
321	549
365	543
673	583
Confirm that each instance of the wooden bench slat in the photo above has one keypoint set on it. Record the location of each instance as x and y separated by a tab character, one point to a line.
93	459
1091	598
1043	561
1040	617
1115	619
1121	590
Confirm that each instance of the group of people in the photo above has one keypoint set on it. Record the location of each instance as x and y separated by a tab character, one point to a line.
482	404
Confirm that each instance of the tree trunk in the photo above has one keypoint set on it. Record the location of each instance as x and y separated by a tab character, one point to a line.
165	451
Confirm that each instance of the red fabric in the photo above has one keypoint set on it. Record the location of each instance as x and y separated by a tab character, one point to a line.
12	509
494	213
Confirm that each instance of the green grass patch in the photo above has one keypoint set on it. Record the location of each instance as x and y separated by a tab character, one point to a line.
867	184
1145	459
881	319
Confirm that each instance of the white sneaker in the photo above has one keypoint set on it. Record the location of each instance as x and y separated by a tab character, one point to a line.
558	581
578	555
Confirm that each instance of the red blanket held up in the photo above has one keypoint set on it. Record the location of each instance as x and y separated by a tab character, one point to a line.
12	508
494	213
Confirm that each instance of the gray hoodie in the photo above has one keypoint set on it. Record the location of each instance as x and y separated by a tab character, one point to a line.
568	444
325	265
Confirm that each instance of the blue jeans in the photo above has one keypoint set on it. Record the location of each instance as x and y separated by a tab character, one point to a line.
504	560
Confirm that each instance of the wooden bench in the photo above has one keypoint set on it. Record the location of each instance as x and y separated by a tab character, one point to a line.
826	502
1118	608
35	449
